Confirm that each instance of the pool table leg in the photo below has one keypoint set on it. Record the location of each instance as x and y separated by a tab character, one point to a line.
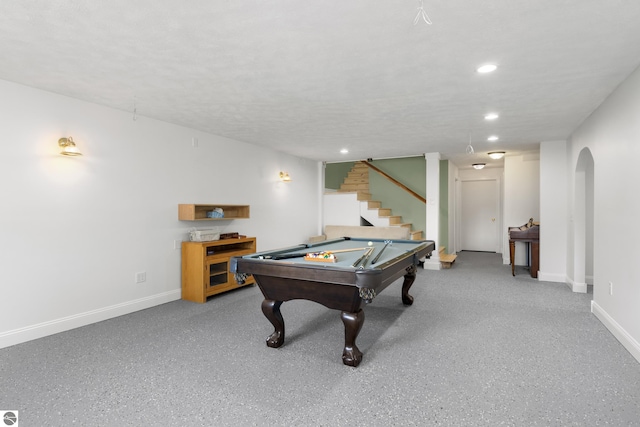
408	281
271	310
351	355
512	255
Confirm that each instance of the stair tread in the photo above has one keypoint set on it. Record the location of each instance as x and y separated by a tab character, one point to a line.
357	180
415	235
446	260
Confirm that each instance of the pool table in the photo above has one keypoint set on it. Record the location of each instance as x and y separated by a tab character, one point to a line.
339	283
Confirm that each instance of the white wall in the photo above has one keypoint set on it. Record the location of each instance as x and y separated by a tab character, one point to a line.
74	231
612	134
553	211
341	208
432	207
521	198
451	208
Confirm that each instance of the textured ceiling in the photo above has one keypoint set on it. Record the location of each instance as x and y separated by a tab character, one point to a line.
312	77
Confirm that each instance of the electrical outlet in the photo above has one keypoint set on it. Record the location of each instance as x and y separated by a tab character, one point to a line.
141	277
610	288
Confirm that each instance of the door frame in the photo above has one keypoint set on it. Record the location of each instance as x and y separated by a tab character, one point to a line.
458	211
583	228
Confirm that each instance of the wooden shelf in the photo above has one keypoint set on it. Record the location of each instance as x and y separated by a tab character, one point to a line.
195	212
205	267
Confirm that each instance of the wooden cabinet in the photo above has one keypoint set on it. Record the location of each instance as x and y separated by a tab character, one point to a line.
195	212
205	267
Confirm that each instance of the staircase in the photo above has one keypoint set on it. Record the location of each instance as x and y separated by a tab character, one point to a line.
446	259
357	180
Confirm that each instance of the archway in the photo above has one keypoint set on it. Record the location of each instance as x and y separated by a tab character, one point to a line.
583	223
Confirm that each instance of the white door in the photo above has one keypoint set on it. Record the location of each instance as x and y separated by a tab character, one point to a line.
479	216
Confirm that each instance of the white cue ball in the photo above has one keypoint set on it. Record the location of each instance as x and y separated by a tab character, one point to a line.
370	243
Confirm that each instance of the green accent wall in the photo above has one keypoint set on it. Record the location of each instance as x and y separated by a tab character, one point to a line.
410	171
335	173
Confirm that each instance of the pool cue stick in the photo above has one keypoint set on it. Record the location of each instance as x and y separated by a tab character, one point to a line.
381	250
300	254
345	250
355	264
363	258
285	256
366	257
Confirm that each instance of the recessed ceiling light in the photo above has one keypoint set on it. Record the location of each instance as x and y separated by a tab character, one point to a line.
493	138
491	116
487	68
344	151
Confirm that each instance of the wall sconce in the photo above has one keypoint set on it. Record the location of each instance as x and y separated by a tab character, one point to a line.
284	177
496	155
68	147
478	165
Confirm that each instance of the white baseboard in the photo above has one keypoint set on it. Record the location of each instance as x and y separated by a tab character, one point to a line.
621	335
432	263
577	287
51	327
552	277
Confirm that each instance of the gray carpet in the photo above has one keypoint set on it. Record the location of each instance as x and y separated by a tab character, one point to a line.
478	348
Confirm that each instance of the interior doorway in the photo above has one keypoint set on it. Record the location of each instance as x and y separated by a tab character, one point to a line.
583	223
480	215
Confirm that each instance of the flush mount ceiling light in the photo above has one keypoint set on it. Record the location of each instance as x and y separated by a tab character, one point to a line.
486	68
478	165
492	138
491	116
496	155
68	147
344	151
